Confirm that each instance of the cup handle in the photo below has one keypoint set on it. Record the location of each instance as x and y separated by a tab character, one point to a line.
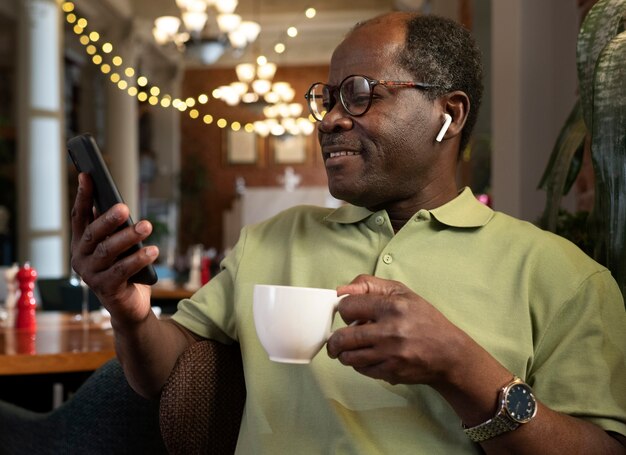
353	323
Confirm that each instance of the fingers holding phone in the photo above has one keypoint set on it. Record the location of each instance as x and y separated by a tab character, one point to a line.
98	244
97	236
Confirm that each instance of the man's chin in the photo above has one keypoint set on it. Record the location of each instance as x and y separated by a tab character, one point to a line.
347	194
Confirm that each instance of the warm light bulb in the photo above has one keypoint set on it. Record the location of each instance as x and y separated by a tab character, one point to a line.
250	29
195	20
271	97
261	128
167	25
266	71
226	6
295	109
245	72
228	22
239	87
250	97
261	86
237	39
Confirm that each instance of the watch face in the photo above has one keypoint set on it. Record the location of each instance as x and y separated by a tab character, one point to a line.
520	403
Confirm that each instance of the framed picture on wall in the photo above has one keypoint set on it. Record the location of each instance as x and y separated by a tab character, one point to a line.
241	147
289	149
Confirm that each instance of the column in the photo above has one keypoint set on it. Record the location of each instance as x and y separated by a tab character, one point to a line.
121	134
43	218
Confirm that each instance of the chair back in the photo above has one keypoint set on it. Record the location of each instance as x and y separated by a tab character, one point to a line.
202	402
58	294
104	416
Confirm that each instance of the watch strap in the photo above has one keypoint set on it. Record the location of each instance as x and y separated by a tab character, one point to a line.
500	423
491	428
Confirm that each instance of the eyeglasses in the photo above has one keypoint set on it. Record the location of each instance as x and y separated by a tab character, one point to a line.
355	93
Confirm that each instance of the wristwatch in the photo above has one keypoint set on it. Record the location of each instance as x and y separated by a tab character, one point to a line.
517	406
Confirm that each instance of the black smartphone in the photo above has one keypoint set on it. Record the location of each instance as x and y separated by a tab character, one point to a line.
87	158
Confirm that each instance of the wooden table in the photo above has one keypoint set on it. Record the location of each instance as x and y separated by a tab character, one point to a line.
170	293
61	344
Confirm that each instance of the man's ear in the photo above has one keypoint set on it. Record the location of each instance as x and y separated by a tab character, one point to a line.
456	105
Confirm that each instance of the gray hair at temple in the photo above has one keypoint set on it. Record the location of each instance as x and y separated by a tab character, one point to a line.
442	52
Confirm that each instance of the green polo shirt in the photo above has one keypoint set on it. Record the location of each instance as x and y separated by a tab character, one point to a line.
540	306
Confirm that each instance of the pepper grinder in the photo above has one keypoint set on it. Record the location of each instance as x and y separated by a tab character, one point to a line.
26	303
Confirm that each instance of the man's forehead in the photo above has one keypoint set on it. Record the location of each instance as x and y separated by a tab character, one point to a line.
367	50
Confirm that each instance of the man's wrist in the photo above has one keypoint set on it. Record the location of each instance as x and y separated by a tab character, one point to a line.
516	406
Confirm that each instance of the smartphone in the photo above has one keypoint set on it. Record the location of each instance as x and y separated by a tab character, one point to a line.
85	154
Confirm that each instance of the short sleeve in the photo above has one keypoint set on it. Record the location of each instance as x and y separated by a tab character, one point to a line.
210	312
579	366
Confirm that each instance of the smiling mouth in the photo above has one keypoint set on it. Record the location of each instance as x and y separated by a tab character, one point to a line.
344	153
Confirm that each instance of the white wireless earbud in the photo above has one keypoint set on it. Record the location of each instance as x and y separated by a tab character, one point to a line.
444	128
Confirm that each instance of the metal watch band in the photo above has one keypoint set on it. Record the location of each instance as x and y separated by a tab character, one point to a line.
491	428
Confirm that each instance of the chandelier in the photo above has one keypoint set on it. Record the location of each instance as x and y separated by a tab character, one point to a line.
233	30
254	85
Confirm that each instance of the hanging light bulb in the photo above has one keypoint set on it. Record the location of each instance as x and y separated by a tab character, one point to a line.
167	25
228	22
226	6
245	72
195	21
261	86
251	30
266	71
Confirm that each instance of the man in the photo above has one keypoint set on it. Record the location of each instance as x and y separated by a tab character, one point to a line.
453	300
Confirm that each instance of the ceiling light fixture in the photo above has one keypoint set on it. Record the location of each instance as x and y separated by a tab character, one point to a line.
189	31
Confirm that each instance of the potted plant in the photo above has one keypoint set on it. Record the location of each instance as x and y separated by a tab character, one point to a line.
598	121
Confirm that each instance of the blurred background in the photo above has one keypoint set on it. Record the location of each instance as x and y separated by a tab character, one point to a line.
199	109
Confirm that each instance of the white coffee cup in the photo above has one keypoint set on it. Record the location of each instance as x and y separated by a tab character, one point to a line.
293	323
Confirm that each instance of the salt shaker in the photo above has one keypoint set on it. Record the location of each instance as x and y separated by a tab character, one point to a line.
26	302
10	276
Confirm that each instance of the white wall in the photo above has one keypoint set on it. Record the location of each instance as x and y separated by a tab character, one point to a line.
534	89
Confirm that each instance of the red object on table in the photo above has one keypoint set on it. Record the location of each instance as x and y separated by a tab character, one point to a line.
26	303
205	270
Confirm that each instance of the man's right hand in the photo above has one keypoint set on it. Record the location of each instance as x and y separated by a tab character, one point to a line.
95	249
146	346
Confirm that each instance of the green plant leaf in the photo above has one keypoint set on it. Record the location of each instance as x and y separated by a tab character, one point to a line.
604	21
608	152
563	166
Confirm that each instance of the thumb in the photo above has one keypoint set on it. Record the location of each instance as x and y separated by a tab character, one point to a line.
368	284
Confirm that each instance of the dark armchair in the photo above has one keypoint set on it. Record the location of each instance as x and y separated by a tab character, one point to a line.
199	412
202	402
104	416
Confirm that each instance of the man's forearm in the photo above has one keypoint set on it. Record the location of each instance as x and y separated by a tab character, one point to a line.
474	396
555	433
148	352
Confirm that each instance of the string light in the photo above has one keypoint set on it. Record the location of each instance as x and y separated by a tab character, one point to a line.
134	84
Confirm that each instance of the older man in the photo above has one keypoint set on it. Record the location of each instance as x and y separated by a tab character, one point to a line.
477	331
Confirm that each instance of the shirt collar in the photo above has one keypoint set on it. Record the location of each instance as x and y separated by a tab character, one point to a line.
464	211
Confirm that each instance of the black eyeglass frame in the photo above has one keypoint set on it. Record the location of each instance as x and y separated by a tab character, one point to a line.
333	89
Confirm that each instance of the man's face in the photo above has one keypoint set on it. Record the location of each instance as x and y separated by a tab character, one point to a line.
385	156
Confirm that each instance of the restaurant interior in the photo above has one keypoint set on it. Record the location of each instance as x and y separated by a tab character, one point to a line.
205	129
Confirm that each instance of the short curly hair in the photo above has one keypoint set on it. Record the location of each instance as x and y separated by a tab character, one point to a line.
442	52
